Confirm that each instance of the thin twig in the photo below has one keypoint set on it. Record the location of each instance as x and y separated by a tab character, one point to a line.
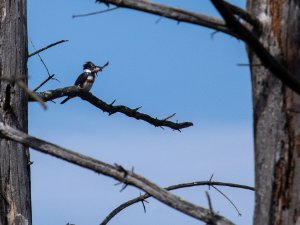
212	35
41	59
112	171
209	202
46	47
169	117
158	20
45	81
210	179
211	185
231	202
173	187
50	77
109	108
95	13
143	203
113	102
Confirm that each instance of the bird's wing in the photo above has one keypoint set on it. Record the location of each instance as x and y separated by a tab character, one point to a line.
81	78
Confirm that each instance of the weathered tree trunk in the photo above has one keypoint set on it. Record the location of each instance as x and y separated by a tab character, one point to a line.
15	201
276	116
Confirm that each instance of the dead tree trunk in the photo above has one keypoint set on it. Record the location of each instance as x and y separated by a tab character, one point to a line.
276	115
15	200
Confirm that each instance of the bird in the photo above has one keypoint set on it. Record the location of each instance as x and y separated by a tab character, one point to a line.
87	78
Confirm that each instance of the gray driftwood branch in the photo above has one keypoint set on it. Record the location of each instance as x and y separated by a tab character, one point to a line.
180	15
110	108
142	198
117	172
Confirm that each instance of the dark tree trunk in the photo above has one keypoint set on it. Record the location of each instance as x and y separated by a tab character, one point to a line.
15	201
276	116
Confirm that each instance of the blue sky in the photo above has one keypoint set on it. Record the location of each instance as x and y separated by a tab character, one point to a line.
164	67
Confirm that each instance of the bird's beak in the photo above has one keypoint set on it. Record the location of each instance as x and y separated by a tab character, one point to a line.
96	69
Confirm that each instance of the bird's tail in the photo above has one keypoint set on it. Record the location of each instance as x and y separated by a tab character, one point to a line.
66	99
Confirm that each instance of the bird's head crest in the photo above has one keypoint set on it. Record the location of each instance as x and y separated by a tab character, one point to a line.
88	65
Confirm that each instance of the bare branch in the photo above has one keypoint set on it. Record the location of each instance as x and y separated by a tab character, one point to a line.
50	77
231	202
143	203
169	117
210	183
209	202
109	108
19	81
173	187
113	102
45	48
254	44
210	179
177	14
95	13
45	81
115	172
42	61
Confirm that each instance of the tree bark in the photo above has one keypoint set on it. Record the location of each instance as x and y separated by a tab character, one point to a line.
15	200
276	115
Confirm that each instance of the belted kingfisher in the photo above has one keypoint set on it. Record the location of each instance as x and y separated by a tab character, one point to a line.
87	78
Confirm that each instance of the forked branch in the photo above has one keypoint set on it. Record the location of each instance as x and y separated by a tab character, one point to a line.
110	108
115	171
51	77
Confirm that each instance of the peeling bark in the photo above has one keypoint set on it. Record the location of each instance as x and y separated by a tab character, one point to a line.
276	116
15	205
